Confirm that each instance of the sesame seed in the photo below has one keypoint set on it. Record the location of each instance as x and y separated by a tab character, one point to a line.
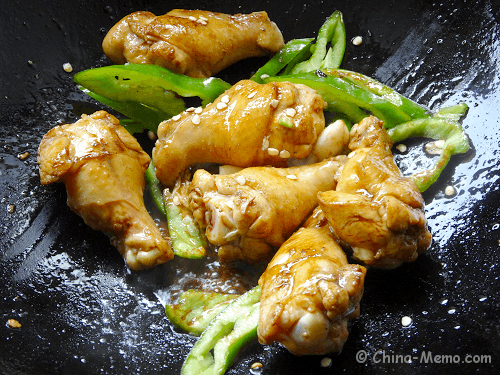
357	40
284	154
192	18
290	112
401	147
23	156
252	94
13	323
67	67
151	135
221	105
176	117
256	365
291	177
196	119
175	200
273	151
439	143
264	76
225	99
198	110
326	362
190	109
265	143
203	18
449	190
406	321
241	180
434	147
274	103
201	22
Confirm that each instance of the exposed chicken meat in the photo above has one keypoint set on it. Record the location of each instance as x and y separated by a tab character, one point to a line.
242	128
309	292
255	209
192	42
102	167
375	210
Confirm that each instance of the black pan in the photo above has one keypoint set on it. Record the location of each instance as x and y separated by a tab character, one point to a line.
83	312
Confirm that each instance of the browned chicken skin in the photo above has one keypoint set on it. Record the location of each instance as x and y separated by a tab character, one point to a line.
192	42
102	167
309	292
375	210
241	128
249	212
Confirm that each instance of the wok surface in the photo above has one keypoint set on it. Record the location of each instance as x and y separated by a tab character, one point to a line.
83	312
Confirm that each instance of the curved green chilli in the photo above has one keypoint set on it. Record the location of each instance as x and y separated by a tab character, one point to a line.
332	31
293	51
226	334
443	125
150	91
187	240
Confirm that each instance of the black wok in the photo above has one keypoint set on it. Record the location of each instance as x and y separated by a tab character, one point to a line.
83	312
